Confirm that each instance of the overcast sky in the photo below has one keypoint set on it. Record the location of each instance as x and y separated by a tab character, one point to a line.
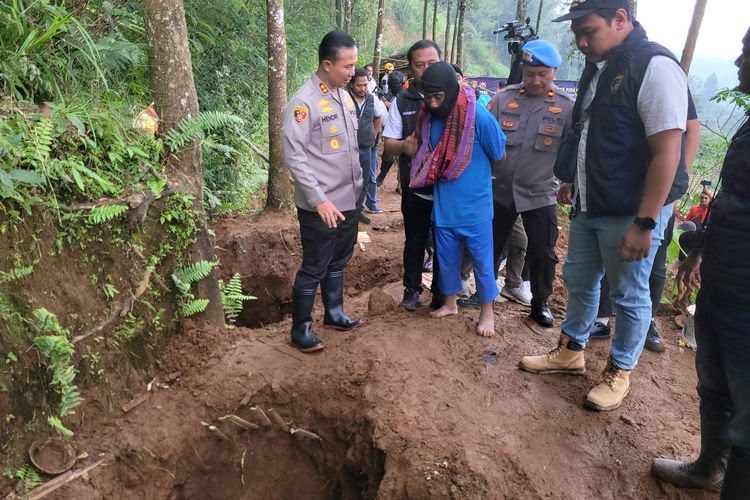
724	25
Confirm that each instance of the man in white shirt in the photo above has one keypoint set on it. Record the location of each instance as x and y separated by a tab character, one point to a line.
630	118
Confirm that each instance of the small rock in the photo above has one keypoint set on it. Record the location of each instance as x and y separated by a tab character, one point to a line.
380	302
628	420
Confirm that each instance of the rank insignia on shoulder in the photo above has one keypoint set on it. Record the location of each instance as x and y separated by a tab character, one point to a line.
300	114
555	109
508	123
513	105
323	87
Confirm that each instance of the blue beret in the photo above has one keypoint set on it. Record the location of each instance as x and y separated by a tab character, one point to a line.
541	53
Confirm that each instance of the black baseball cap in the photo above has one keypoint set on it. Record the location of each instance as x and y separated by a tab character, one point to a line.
582	8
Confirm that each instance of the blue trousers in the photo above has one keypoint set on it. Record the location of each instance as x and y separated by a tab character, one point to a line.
592	250
478	240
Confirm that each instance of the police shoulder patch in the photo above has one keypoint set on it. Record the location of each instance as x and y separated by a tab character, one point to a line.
300	113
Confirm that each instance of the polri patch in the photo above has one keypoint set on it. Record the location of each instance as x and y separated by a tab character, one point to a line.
300	114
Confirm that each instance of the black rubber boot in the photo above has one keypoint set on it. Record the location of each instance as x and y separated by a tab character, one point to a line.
303	337
332	290
707	471
736	479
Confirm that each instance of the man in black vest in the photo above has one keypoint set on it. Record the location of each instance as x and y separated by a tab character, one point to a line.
722	317
619	168
369	117
416	204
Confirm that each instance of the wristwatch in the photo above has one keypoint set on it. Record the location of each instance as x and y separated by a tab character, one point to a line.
645	223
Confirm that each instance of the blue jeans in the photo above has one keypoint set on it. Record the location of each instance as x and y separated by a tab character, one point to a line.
592	250
722	361
368	159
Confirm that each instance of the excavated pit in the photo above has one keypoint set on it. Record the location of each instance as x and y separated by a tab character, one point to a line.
272	463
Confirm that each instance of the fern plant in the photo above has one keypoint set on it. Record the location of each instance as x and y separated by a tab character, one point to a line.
15	273
59	351
232	298
199	126
27	477
106	213
183	278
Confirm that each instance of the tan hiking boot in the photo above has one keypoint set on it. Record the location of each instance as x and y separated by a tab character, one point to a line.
567	357
610	390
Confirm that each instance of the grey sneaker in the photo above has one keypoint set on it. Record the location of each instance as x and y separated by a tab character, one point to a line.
517	294
654	343
411	299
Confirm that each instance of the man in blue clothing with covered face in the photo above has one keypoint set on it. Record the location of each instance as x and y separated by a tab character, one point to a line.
457	144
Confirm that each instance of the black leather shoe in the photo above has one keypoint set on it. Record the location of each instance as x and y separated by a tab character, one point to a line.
411	299
470	302
437	301
364	219
542	315
599	331
654	343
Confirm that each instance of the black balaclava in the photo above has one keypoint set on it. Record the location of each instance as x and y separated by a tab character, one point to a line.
440	77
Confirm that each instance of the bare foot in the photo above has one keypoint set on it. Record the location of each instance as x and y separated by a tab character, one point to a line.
444	311
486	324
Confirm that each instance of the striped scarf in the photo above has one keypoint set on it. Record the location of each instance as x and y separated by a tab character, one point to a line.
452	153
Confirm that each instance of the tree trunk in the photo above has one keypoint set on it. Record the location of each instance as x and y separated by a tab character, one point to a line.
434	20
447	46
692	36
340	6
521	8
348	10
425	10
455	33
173	91
460	36
279	187
539	16
378	41
634	8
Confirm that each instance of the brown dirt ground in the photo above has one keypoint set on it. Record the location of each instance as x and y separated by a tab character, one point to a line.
406	406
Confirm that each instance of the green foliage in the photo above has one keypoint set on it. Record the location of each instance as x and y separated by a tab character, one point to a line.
232	298
105	213
26	476
59	351
15	273
198	126
183	278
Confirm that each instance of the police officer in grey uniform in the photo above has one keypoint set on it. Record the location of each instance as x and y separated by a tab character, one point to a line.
534	116
321	152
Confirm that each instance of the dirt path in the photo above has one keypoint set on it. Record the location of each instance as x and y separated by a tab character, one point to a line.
406	406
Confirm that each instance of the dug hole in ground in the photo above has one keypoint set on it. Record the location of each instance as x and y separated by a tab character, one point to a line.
404	407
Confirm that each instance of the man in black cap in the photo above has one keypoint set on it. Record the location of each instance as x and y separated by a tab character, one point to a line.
721	328
619	167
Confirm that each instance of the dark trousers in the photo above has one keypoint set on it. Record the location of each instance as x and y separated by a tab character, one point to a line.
541	230
722	360
324	249
656	280
417	214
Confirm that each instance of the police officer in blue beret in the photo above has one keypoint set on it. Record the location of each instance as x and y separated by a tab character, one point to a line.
534	114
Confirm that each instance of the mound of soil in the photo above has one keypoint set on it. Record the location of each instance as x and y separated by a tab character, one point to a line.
404	407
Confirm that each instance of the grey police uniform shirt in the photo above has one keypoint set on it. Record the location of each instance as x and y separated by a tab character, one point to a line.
320	146
534	127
